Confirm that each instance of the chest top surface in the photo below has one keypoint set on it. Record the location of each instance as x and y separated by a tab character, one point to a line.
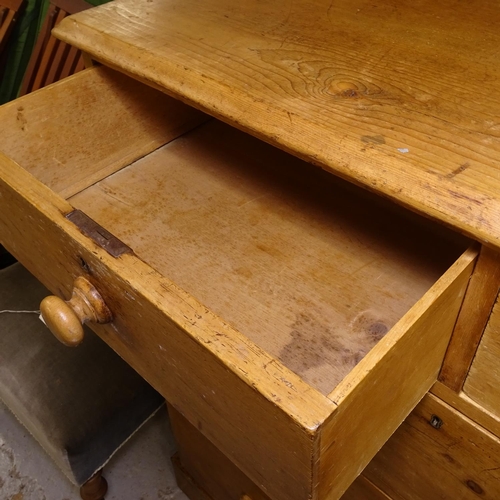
400	96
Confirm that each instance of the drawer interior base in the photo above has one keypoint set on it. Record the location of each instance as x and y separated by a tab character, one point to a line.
311	269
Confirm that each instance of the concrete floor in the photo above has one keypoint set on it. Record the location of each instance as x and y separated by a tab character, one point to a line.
140	470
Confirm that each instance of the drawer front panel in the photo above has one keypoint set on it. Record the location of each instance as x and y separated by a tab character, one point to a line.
420	462
483	381
245	402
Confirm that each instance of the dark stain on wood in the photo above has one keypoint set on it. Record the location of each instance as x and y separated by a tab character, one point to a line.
314	344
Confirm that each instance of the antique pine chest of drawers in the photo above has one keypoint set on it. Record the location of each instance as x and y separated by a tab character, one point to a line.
291	318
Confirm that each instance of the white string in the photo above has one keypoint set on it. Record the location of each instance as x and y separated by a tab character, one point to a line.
19	312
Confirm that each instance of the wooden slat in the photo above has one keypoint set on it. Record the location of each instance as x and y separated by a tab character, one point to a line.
386	385
60	53
78	131
6	25
483	382
70	62
373	93
478	303
468	407
71	6
460	460
14	5
37	54
79	63
248	404
49	52
48	61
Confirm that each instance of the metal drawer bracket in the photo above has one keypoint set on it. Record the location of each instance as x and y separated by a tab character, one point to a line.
98	234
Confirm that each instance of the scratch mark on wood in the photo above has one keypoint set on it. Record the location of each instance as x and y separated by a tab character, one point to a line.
458	170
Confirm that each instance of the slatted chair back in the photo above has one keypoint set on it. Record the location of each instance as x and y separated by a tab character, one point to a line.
53	60
8	14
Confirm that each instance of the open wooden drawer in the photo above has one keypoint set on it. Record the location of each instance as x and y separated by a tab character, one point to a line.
294	319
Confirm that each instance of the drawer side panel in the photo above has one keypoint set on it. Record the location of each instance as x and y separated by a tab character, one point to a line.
383	389
85	127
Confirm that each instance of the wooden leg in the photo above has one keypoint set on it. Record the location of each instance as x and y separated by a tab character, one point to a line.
202	471
95	488
186	483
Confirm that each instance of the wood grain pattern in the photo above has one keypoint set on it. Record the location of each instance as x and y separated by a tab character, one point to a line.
78	131
468	407
246	402
386	385
398	97
460	460
476	309
313	272
483	382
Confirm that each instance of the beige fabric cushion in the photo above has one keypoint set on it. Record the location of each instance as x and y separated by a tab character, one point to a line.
80	403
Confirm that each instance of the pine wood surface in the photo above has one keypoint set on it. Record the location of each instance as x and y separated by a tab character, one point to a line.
311	271
398	96
246	402
483	381
458	461
481	295
78	131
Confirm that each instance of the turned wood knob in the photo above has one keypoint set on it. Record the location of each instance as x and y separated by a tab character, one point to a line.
65	318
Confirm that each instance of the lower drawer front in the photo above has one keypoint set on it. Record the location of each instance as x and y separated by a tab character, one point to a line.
483	382
458	460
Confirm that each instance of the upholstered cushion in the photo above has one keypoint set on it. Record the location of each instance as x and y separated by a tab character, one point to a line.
81	403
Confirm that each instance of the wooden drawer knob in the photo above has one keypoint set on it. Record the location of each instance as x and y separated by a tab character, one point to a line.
65	319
